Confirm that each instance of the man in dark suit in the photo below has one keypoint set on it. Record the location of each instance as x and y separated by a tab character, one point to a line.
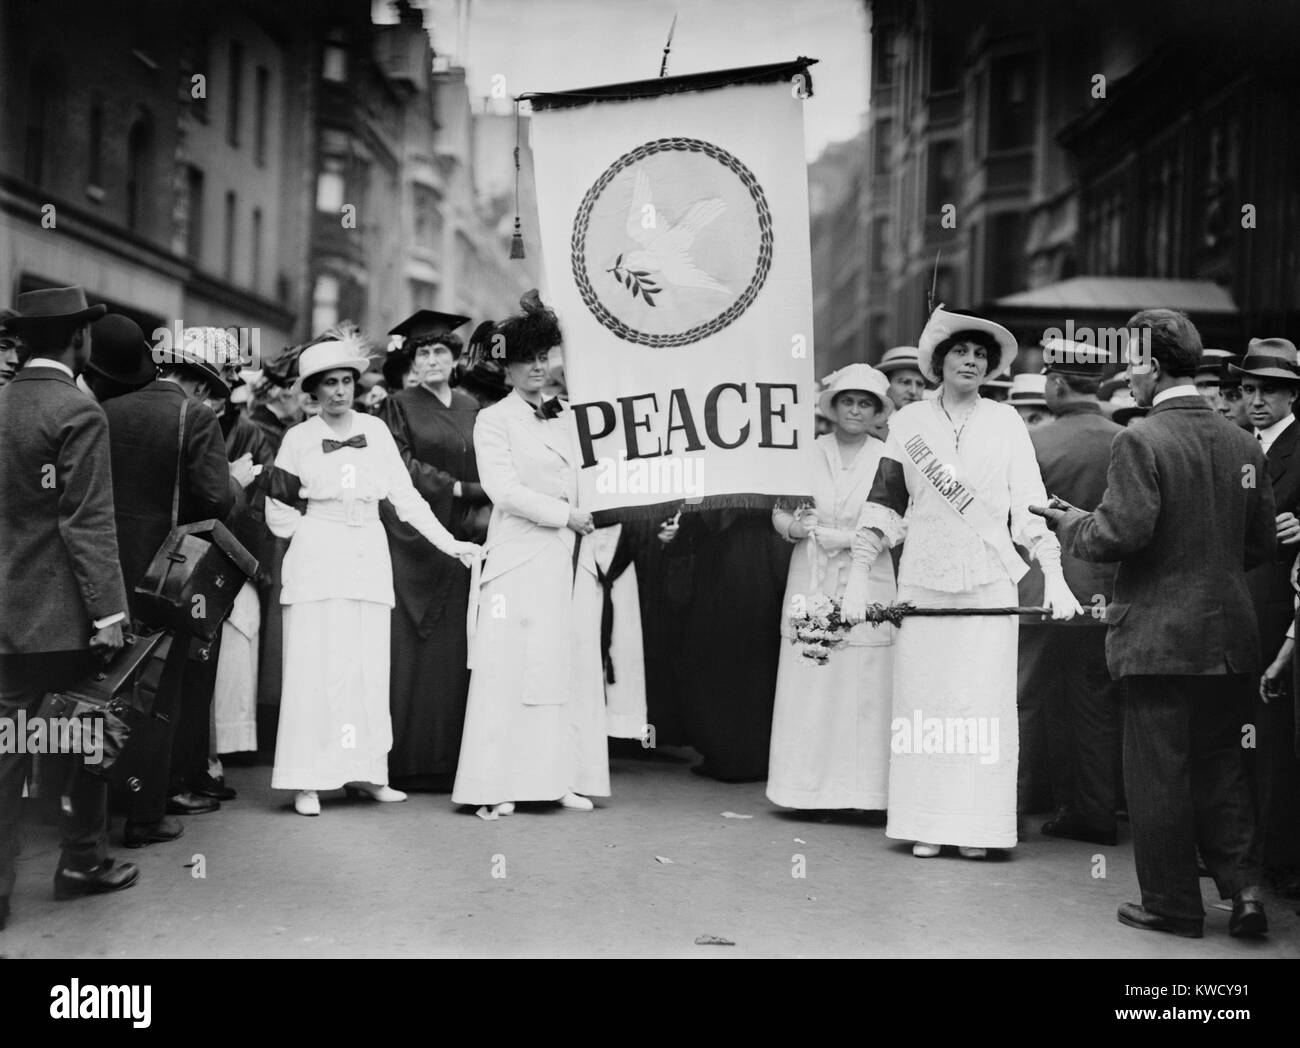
1069	706
1270	381
62	601
1186	512
144	428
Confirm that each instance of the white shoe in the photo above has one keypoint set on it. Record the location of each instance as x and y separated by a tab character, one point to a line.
974	853
383	794
505	808
926	851
307	803
576	802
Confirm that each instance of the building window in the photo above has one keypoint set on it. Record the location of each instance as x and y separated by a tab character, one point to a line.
944	169
228	263
324	303
259	116
329	185
884	142
95	144
194	217
139	168
883	60
234	91
40	117
878	339
879	243
199	62
1011	102
1008	264
945	59
335	64
255	279
423	294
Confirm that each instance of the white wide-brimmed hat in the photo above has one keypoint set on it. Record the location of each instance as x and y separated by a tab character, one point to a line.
861	377
330	356
943	324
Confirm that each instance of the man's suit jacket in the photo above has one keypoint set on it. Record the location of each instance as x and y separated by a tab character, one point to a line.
1187	511
1073	455
529	470
1270	583
143	431
59	569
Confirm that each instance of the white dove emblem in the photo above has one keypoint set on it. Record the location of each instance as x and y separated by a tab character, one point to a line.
665	249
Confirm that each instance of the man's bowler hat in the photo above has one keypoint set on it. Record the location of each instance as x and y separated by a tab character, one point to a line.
118	351
61	304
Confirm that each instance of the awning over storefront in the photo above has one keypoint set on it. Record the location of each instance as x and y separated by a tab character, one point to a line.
1125	293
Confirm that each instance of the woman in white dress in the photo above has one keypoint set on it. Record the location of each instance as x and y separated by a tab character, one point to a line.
960	468
337	585
535	718
830	725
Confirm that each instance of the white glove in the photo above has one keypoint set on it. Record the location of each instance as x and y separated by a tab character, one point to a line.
1057	596
832	540
867	546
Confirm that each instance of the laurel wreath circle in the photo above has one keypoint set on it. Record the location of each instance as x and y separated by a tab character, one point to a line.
581	221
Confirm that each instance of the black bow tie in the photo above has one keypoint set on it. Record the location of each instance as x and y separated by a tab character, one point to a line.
359	441
549	409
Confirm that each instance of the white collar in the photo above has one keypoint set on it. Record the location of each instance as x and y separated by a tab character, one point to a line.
1175	391
1275	430
46	362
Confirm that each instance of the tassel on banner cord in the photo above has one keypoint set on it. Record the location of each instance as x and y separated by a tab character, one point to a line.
517	240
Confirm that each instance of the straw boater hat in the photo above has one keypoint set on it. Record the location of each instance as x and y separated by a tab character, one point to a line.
1269	358
899	358
330	356
943	324
1027	391
861	377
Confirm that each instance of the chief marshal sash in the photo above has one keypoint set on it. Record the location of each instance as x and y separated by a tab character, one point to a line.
929	470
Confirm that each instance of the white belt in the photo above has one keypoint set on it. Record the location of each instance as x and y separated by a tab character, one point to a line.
353	512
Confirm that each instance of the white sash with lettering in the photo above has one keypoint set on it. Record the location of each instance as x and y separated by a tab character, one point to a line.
930	471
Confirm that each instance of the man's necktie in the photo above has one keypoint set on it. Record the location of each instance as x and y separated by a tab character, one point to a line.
549	409
359	441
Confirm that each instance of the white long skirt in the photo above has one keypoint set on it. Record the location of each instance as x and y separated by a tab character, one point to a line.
830	729
335	726
513	751
955	737
234	701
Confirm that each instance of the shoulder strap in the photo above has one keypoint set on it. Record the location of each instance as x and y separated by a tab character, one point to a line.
180	456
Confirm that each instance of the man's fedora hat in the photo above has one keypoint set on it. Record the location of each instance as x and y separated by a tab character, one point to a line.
858	377
118	351
1269	358
330	356
1027	391
943	324
899	358
63	304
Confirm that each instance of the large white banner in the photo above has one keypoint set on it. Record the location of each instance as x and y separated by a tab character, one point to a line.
674	236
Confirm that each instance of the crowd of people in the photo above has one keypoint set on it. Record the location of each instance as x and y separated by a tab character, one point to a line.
1062	593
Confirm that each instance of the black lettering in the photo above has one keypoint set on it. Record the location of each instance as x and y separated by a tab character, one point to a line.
677	401
711	415
585	436
631	424
766	412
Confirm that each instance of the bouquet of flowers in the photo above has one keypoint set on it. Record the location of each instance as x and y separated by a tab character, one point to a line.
817	626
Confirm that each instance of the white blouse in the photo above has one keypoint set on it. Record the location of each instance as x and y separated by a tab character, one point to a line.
338	547
995	458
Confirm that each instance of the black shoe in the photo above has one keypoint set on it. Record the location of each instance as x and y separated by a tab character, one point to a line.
165	829
1248	920
108	876
1135	916
191	804
1075	829
214	788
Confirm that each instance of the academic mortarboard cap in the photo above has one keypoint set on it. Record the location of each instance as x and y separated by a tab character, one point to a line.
426	324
